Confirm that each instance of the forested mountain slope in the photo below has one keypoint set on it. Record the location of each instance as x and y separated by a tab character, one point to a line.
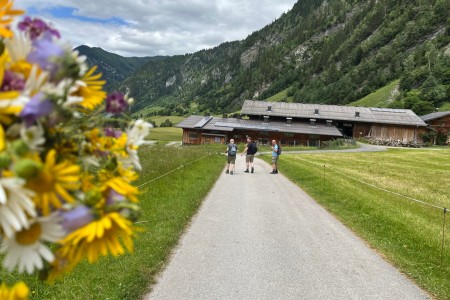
321	51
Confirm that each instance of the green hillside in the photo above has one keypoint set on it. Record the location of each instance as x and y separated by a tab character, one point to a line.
282	96
382	97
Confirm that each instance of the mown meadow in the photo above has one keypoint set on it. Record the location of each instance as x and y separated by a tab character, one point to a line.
376	194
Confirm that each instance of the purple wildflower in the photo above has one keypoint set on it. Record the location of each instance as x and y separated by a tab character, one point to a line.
36	28
76	218
116	103
114	197
12	82
37	107
111	132
43	53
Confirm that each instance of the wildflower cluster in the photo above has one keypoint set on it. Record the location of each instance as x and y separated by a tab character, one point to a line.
66	190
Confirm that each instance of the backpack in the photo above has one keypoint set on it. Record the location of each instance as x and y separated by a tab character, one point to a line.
252	148
279	150
232	151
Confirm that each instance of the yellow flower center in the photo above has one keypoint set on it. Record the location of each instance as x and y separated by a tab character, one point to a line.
30	235
44	183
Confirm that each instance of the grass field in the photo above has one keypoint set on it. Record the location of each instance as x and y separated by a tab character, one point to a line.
160	119
170	196
379	98
163	135
407	233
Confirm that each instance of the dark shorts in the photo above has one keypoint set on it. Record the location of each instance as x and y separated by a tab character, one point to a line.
231	159
249	158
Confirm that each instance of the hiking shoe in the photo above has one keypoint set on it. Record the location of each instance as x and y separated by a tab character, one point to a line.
273	172
246	171
252	170
231	173
227	172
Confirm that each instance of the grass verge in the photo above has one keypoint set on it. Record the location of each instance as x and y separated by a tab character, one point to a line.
168	203
407	233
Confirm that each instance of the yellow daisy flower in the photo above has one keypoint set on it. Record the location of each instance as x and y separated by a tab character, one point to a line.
90	89
18	291
120	182
112	233
122	187
6	13
2	139
7	105
54	183
7	109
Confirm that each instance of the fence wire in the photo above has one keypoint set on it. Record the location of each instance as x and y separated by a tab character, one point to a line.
377	187
173	170
444	209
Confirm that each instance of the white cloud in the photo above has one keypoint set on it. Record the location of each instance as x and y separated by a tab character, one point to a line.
164	27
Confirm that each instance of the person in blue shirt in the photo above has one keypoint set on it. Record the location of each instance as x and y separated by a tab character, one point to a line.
274	157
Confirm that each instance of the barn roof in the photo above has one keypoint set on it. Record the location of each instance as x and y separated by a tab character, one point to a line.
229	124
435	115
333	112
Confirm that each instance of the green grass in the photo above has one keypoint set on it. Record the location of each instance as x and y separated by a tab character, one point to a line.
160	119
168	204
407	233
379	98
163	135
280	97
445	106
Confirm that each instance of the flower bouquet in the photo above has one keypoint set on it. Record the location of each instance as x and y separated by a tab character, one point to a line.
66	192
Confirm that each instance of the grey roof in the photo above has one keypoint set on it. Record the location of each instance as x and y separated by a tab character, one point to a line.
435	115
333	112
229	124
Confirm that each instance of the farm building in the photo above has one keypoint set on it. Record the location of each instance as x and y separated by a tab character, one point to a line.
305	124
206	130
439	122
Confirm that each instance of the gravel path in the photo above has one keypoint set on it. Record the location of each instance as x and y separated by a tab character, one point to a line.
259	236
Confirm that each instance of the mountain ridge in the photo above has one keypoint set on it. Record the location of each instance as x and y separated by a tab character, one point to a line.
330	52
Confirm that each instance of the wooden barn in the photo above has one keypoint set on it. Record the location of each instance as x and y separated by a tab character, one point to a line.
439	122
305	124
354	122
198	130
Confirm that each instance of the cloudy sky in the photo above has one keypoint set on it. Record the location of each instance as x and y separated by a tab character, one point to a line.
155	27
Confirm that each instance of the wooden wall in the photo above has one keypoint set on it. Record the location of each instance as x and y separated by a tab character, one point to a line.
201	137
403	134
441	125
